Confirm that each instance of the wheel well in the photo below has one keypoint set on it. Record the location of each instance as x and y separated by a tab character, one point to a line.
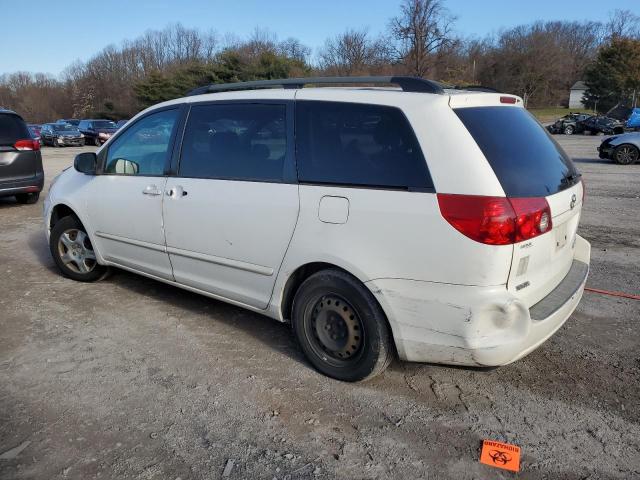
296	279
60	211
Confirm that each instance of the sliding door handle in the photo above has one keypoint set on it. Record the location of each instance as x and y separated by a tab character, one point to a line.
176	192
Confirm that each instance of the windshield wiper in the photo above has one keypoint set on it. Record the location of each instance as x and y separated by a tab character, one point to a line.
571	179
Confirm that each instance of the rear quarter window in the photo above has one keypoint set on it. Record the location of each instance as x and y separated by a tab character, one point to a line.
526	160
12	128
355	144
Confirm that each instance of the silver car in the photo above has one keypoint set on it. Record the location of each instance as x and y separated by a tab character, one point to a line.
623	149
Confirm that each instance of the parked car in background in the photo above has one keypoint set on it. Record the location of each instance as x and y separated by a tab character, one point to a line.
121	123
438	224
21	173
61	135
602	124
35	130
623	149
71	121
569	124
97	132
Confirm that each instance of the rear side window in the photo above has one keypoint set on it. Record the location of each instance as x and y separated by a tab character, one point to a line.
524	157
358	144
235	141
12	128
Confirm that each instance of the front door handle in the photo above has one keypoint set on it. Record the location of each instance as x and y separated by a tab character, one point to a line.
151	190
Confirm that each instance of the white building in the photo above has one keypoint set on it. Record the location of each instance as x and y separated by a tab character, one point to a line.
576	93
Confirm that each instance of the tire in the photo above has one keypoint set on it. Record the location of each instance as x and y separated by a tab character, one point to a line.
569	130
27	198
96	142
626	154
72	251
340	326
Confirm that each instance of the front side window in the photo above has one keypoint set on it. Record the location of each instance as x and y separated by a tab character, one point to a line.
235	141
358	145
143	148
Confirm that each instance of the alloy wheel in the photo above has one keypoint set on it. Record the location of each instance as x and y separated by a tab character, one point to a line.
76	252
626	154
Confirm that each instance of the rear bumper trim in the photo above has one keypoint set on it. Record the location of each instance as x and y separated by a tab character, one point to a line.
566	289
31	184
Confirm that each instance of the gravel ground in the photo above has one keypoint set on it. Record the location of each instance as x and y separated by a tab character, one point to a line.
130	378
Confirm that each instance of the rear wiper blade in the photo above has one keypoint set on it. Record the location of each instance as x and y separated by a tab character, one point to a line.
569	179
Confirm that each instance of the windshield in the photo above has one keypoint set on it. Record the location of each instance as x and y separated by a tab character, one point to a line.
104	124
526	159
62	127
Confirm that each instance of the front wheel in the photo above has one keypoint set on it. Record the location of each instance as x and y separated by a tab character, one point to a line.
72	251
96	142
626	154
340	326
568	130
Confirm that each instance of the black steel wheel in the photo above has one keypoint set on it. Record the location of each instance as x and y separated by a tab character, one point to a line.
27	198
341	327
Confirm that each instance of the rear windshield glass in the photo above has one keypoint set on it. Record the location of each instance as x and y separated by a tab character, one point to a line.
12	128
526	159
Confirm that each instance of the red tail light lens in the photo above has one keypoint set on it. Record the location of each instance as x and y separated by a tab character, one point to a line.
29	144
533	217
496	220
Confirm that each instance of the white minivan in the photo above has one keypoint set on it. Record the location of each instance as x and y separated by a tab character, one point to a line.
435	224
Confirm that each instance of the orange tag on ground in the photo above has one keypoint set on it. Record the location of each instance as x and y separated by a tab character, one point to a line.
500	455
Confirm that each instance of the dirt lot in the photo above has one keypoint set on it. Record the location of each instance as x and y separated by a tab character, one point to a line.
129	378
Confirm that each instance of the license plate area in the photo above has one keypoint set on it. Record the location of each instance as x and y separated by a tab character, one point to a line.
561	236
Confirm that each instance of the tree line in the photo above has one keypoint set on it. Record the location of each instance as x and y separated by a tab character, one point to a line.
538	61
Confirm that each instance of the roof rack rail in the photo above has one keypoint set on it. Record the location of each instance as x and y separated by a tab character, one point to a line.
407	84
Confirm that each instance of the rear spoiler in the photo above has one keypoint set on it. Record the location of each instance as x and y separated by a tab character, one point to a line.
484	99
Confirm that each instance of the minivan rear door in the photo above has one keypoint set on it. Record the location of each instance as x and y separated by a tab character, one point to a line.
529	163
15	164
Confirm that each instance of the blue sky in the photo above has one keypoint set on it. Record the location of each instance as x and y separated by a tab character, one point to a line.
48	36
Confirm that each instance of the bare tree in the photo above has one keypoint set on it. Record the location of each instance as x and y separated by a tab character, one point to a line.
623	23
353	53
422	28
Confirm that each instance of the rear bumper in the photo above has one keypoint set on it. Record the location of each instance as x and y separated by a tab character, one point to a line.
23	185
481	326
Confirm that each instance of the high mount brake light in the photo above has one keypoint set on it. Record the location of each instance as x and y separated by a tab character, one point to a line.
27	144
507	99
496	220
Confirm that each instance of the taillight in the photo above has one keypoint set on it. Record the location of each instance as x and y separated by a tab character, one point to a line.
29	144
533	217
496	220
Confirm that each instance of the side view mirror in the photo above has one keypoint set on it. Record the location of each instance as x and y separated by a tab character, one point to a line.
86	163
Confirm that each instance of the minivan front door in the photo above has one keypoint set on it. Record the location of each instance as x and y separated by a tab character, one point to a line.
125	201
230	212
